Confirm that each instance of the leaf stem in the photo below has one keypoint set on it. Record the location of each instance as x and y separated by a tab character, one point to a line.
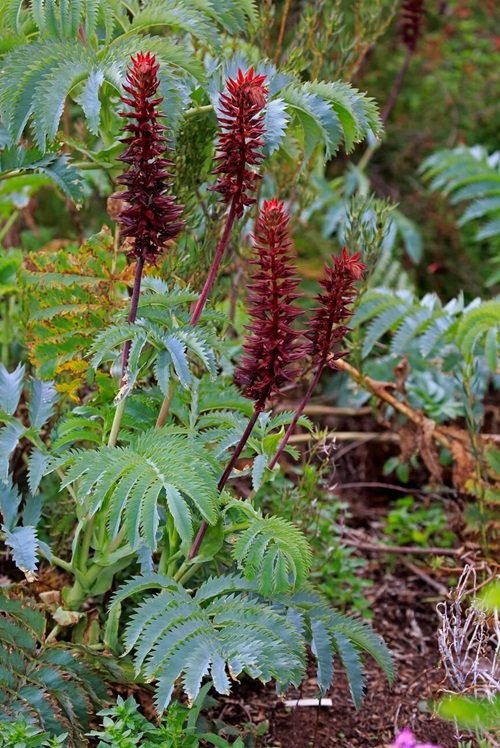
134	302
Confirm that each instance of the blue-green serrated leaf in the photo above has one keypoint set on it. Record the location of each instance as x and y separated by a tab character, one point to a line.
32	510
180	513
24	545
11	386
276	120
352	665
258	468
89	99
9	437
43	398
10	499
321	647
36	468
177	351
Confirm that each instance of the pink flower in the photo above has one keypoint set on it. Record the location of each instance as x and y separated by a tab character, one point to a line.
406	739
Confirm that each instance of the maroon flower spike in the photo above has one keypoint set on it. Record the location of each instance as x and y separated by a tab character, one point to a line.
150	217
272	348
410	26
242	125
241	139
327	326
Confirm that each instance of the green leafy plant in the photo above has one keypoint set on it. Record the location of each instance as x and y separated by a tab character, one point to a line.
410	524
123	726
174	633
152	490
57	684
23	734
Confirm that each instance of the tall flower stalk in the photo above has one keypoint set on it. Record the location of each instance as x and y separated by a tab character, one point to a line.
272	347
327	327
150	217
239	153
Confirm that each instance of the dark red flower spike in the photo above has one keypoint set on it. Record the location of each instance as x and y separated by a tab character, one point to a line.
410	25
241	139
150	217
272	347
327	327
239	153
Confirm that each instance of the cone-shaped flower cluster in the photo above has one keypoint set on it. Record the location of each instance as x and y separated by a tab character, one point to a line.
327	327
272	347
241	139
150	217
412	13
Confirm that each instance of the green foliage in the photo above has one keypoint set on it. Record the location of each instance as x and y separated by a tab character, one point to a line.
469	174
23	734
55	685
427	326
16	161
472	713
274	553
336	570
123	726
161	468
226	625
20	533
407	523
161	337
329	113
71	293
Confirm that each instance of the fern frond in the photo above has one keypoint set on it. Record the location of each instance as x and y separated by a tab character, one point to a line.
477	324
175	634
56	167
178	15
331	113
227	627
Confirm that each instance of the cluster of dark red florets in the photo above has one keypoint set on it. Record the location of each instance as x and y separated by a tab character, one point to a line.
272	347
150	217
327	327
410	24
241	139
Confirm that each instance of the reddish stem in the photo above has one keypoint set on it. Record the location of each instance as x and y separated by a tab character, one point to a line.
219	253
298	412
225	475
133	312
